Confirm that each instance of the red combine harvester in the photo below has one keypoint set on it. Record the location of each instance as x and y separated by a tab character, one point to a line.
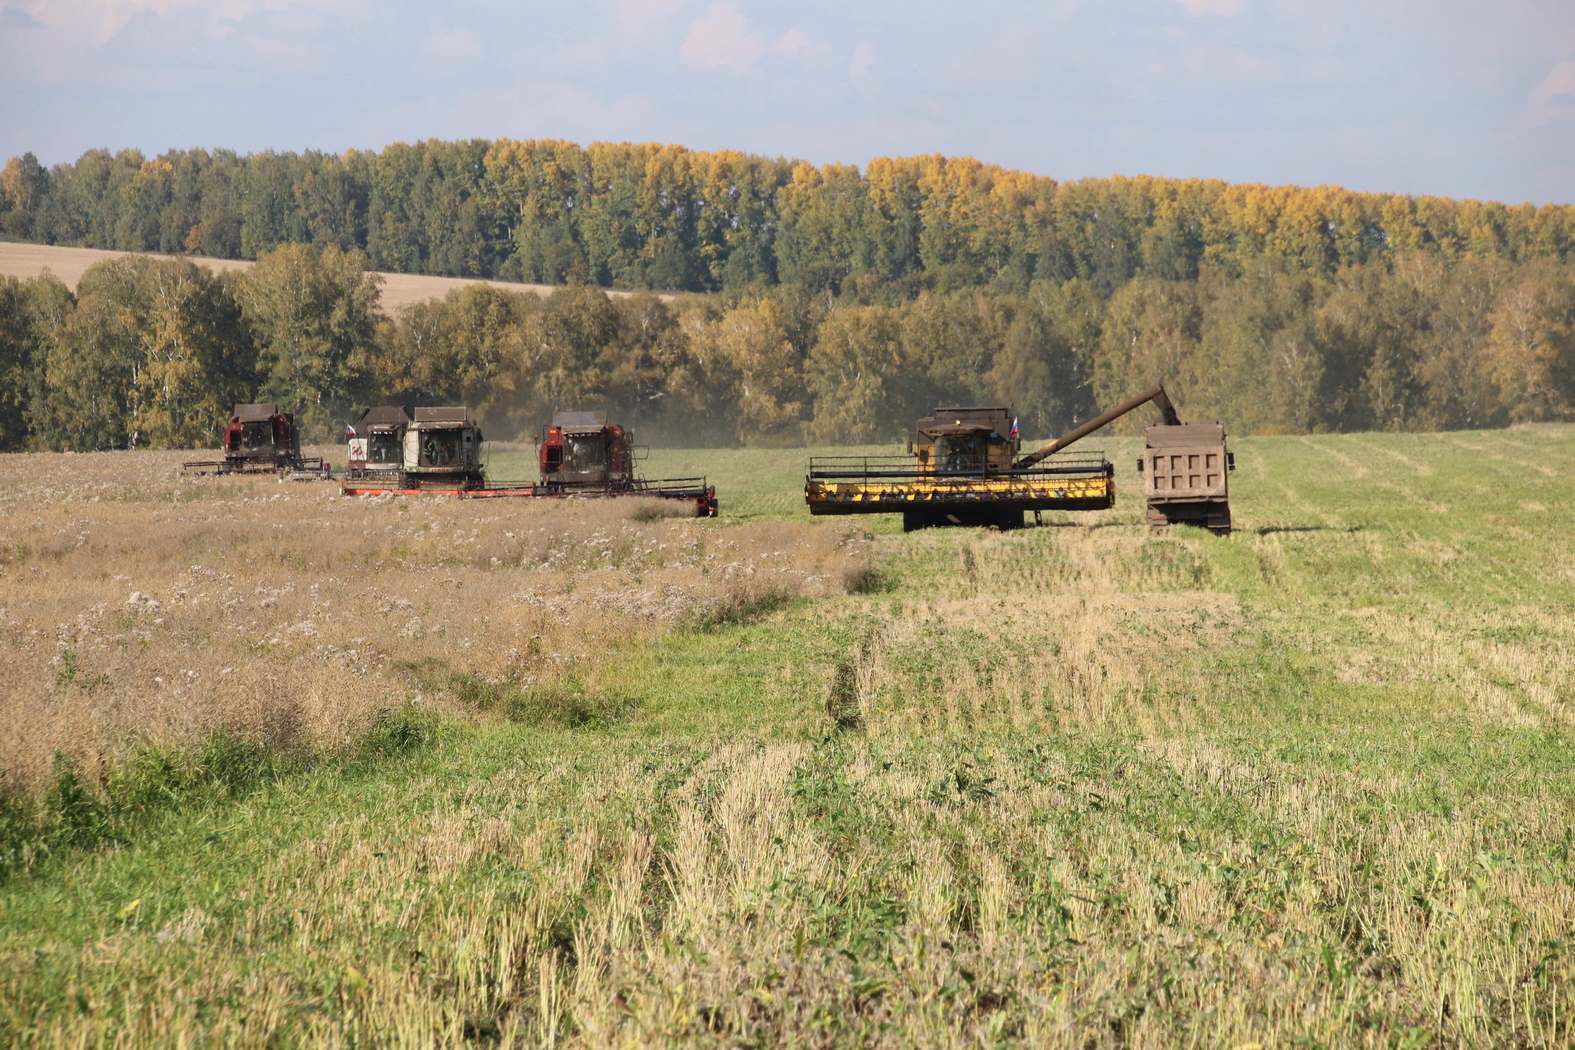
582	452
580	455
259	439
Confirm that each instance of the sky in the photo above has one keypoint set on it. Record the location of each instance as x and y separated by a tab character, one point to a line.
1447	97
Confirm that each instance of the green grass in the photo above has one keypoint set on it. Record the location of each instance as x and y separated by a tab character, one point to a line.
1312	784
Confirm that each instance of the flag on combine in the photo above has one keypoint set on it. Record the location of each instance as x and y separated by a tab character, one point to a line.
1013	435
349	431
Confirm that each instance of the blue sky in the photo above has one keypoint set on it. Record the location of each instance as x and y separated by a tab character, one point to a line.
1416	96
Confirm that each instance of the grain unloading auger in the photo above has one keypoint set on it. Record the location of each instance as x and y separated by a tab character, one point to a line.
966	469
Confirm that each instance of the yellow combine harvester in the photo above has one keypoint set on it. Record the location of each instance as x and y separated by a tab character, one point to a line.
965	468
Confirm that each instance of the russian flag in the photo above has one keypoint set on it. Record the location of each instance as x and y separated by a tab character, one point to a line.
1013	434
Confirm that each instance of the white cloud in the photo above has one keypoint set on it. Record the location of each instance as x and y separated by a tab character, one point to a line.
1558	85
636	16
792	43
720	39
863	60
1553	100
1213	8
102	19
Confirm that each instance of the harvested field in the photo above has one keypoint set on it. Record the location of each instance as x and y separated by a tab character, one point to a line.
139	608
1083	785
18	259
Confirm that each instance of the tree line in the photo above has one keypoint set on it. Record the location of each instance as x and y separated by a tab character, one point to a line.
664	217
152	353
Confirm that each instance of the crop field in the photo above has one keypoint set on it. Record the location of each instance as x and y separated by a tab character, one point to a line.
282	767
22	260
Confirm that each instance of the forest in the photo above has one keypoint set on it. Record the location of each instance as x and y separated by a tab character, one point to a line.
669	218
150	352
828	304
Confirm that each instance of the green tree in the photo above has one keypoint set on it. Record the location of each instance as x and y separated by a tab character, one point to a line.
949	343
23	341
1531	344
851	371
1454	365
1259	349
194	358
24	190
1151	334
1047	355
313	318
1373	326
766	371
562	351
86	397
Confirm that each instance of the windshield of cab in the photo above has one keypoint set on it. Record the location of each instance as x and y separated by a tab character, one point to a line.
440	448
383	447
959	452
256	436
583	453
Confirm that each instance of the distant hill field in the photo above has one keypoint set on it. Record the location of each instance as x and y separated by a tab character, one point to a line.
68	264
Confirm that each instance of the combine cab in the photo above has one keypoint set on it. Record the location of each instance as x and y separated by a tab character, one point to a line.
259	439
378	447
966	470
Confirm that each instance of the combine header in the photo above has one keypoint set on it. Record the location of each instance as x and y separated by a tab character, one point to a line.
259	439
966	470
581	455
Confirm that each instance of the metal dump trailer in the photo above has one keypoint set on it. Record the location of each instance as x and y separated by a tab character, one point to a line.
1186	470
